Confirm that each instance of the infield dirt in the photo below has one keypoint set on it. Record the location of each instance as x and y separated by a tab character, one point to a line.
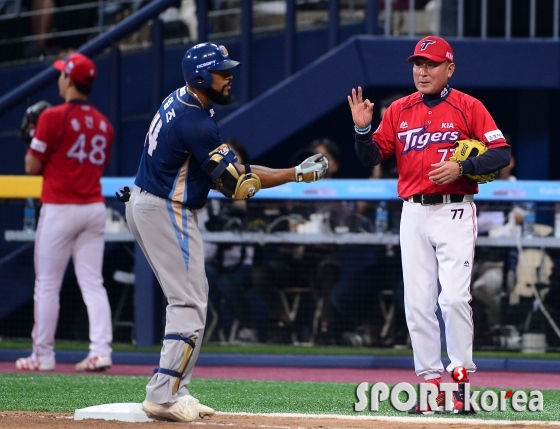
36	420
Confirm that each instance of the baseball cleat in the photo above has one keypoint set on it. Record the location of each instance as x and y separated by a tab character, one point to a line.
202	409
94	363
175	411
459	399
30	364
440	400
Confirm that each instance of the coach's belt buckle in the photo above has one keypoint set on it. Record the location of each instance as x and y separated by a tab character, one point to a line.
422	200
430	199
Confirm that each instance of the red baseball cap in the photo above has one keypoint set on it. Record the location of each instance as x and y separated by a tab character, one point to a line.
433	48
79	67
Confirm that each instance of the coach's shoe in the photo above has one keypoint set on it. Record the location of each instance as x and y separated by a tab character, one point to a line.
203	410
174	411
440	402
94	363
459	399
31	364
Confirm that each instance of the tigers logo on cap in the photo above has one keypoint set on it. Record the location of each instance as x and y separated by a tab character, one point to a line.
79	68
433	48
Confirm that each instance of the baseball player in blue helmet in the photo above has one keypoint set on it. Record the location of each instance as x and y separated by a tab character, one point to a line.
183	158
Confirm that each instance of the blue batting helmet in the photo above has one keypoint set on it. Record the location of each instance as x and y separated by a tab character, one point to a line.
201	58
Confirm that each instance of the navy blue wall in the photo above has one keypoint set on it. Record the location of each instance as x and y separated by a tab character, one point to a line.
521	93
522	97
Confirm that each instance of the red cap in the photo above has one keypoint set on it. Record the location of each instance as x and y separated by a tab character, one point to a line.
433	48
79	67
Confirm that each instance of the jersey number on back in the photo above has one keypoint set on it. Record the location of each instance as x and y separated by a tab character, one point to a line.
153	132
96	155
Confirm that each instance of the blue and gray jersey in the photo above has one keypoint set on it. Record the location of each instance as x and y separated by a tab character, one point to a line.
179	141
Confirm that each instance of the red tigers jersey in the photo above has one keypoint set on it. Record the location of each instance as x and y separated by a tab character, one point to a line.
74	142
419	136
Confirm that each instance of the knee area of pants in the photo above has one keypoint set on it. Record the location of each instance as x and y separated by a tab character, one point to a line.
455	302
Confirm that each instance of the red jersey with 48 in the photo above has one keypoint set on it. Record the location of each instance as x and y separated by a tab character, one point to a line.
74	141
420	136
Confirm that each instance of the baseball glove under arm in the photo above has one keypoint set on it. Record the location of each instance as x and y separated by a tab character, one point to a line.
467	149
31	117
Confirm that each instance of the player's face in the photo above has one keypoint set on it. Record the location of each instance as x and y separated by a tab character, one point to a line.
431	77
63	81
219	92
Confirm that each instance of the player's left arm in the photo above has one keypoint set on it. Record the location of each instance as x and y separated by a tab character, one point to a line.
270	177
489	162
48	130
33	165
495	158
241	181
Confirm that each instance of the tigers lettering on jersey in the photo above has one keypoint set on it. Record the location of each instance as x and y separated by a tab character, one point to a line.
422	134
419	139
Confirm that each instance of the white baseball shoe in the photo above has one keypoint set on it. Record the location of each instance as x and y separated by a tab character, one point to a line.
175	411
31	364
202	409
94	363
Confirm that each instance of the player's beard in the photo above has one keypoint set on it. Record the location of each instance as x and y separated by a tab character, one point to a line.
219	97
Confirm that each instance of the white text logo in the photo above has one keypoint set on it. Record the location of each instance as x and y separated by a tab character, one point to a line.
418	139
427	392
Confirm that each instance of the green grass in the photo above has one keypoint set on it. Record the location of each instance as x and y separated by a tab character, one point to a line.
278	349
65	393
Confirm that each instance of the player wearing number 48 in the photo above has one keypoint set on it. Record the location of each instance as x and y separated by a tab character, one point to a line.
70	147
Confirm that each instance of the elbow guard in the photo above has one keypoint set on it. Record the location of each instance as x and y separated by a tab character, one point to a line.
247	185
227	179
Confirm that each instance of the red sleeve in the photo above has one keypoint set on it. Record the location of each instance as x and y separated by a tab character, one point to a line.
46	134
485	129
384	135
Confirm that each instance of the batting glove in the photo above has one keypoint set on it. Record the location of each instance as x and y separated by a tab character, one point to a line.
312	169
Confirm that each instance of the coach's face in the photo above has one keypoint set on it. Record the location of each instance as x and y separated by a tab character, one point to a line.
431	77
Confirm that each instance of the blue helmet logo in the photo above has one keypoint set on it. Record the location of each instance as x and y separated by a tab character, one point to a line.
200	59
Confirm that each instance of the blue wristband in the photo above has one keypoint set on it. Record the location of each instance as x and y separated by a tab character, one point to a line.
362	130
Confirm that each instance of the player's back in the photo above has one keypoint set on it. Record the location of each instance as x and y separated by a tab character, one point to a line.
74	140
179	139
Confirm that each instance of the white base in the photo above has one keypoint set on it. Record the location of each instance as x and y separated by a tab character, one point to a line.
124	412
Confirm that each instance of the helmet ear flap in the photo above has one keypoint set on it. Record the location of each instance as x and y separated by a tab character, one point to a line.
195	81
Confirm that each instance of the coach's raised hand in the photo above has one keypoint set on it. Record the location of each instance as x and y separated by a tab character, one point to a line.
312	169
362	110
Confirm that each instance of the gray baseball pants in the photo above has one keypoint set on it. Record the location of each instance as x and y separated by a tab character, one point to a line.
168	234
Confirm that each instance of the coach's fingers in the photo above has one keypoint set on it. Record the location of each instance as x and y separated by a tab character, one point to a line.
355	98
443	173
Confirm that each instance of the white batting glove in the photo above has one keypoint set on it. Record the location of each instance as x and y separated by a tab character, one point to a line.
312	169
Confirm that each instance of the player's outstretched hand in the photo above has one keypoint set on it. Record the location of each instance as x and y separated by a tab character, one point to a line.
362	110
312	169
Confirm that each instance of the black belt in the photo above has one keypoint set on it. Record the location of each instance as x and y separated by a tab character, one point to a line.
432	199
